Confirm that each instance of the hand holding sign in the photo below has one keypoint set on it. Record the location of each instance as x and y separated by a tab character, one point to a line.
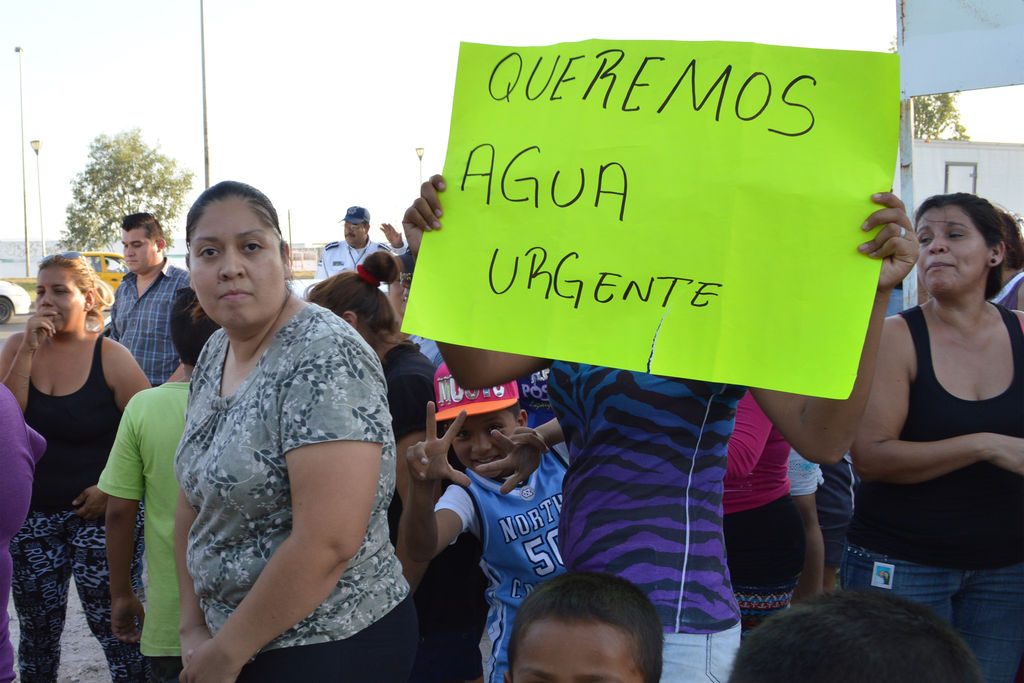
424	214
896	244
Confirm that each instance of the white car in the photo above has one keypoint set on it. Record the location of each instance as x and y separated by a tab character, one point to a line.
13	300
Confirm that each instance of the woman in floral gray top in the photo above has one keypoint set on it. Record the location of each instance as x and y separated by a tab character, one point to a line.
286	469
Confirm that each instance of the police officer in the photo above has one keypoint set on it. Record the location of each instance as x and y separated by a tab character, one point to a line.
347	254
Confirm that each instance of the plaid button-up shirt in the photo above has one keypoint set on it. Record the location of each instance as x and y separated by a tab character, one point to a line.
142	324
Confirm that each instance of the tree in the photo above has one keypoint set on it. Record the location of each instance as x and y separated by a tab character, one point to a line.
123	176
935	115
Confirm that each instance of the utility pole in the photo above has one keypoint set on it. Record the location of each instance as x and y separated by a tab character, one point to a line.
206	135
21	141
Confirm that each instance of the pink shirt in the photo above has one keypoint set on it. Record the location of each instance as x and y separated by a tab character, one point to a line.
758	468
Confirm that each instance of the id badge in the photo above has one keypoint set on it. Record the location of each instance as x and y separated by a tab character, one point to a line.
882	574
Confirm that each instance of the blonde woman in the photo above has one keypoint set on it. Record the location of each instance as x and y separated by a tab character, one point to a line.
72	385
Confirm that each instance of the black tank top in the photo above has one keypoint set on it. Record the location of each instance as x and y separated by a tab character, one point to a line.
79	430
971	518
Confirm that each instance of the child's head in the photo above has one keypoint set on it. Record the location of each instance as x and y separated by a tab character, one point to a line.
584	624
486	410
855	637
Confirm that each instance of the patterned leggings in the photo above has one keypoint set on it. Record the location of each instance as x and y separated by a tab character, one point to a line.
49	548
757	603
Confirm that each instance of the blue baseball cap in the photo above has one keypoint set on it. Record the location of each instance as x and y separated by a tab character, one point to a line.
356	214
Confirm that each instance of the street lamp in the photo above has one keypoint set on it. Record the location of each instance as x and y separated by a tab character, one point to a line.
202	55
419	153
36	144
24	189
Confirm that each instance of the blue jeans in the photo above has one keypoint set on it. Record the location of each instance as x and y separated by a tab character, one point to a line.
986	606
699	657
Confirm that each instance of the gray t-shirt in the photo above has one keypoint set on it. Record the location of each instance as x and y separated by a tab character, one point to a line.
318	381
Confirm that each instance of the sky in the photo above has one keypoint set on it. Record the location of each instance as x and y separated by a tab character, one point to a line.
322	105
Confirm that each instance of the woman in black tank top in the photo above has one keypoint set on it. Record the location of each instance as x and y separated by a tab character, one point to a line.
939	517
72	385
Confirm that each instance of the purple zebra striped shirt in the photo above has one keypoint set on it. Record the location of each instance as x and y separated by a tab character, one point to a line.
643	493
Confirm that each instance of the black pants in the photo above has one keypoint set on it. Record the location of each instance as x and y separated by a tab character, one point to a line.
765	545
381	653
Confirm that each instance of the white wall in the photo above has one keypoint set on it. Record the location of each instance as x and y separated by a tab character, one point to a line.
1000	170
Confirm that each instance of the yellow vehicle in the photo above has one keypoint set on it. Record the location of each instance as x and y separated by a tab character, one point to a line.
108	265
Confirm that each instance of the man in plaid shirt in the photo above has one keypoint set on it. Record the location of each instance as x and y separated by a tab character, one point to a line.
140	318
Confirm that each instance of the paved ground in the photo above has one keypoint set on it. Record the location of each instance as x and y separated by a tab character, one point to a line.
15	324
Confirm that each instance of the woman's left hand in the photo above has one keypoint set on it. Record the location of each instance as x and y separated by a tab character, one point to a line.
896	243
209	663
90	503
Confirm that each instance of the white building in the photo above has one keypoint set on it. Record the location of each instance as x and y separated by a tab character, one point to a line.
993	170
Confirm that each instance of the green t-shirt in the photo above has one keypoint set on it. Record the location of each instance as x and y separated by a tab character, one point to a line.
317	382
141	467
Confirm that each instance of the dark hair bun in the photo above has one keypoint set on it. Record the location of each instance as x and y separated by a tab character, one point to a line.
383	266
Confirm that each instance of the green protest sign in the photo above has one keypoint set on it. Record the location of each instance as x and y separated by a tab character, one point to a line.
686	209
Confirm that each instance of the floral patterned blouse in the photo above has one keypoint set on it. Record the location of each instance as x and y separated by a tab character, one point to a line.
317	381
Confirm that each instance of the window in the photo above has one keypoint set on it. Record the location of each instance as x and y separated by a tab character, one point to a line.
116	265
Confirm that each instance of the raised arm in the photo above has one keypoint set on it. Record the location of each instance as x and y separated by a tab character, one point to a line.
18	353
423	533
332	492
480	368
820	429
412	570
425	213
394	238
472	368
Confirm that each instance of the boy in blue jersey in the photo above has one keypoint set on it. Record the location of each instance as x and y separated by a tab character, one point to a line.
518	532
